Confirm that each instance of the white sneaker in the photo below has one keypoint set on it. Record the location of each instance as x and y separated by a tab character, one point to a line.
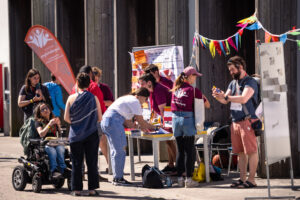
189	183
180	181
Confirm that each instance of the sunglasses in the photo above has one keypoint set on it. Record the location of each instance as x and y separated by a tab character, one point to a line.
44	109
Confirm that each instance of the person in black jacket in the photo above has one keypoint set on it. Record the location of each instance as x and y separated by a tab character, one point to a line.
32	93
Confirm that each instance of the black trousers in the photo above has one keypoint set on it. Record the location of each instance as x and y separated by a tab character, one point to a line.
186	155
88	147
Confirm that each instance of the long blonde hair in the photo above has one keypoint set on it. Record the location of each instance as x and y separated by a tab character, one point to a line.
179	81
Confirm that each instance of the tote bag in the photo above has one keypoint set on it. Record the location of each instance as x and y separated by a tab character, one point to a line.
199	111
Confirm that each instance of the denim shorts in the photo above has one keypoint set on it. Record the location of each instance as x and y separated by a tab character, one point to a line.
183	124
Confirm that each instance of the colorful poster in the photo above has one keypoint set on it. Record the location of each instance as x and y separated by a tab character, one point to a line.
49	50
169	60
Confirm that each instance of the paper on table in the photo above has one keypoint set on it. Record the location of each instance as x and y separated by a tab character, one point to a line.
161	130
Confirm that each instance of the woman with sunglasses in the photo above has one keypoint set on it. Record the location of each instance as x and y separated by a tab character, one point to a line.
49	126
32	93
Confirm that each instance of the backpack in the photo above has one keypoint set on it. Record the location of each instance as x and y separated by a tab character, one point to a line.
257	80
151	177
26	132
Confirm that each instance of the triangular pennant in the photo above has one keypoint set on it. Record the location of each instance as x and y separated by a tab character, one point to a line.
200	42
294	33
267	37
237	41
283	38
194	39
230	41
212	48
275	38
240	41
254	26
218	48
298	43
221	43
203	41
249	20
242	25
227	48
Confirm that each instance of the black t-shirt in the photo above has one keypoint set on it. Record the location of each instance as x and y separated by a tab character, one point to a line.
51	132
28	110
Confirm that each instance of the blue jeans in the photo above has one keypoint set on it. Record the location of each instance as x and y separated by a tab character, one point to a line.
56	157
112	126
183	124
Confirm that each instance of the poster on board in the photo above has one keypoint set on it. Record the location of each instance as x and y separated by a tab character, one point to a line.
274	98
168	58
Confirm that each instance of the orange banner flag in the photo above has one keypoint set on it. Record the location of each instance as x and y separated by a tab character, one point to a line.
49	50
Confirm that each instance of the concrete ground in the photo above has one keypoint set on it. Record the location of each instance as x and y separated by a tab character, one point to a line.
11	149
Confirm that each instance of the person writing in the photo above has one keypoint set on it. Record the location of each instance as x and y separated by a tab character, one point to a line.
118	115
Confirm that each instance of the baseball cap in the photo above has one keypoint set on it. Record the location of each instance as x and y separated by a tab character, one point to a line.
191	71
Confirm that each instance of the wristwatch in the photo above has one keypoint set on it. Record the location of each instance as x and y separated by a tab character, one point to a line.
226	98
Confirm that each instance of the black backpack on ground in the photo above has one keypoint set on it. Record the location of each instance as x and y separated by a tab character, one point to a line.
151	177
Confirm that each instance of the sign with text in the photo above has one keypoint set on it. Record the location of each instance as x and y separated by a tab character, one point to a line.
49	50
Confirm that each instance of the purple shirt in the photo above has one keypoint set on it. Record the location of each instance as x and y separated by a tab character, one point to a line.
107	94
160	95
183	98
166	82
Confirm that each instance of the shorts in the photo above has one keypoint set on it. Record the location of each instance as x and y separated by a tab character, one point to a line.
183	124
243	138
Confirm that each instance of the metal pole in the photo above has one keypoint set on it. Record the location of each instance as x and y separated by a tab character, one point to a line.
197	30
115	50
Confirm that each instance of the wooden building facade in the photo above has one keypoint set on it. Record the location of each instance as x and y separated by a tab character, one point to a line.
102	32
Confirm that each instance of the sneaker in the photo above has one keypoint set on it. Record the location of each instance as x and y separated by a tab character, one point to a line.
121	182
180	181
189	183
169	169
56	175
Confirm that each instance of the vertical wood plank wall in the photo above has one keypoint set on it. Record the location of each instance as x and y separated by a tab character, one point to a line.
42	13
99	39
20	57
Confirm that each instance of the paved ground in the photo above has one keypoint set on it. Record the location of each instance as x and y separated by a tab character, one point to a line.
10	150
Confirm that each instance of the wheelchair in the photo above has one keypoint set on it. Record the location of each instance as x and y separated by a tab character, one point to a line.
36	168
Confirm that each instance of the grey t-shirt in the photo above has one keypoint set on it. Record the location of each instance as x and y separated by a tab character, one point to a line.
247	81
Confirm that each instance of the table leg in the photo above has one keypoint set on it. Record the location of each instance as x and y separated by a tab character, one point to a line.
139	149
206	158
131	157
155	147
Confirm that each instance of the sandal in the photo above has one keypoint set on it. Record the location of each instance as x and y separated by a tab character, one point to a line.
236	184
247	184
94	194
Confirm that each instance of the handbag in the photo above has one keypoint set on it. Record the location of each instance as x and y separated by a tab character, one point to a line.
199	112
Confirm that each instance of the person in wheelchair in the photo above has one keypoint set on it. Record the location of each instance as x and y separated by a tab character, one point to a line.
47	127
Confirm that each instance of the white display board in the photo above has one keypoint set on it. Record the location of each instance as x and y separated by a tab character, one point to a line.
274	98
168	58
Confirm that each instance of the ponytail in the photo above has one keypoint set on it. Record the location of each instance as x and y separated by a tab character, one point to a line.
179	81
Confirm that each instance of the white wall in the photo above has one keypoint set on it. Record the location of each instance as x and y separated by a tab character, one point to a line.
4	36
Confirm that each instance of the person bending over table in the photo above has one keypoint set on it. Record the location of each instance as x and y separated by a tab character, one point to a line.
117	115
183	123
159	99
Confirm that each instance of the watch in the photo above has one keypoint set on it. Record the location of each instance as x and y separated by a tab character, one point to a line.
226	98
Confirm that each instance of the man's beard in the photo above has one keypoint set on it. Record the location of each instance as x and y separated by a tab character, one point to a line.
237	75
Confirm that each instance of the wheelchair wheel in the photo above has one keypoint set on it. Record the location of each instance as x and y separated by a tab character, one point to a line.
59	183
19	178
36	183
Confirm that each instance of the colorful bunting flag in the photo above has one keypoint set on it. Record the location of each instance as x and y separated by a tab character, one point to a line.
283	38
218	48
294	33
249	20
203	41
298	43
227	48
267	37
275	38
230	41
255	26
221	43
212	48
237	41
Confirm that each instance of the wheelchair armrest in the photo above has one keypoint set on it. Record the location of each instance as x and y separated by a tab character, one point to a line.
44	142
220	128
35	141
